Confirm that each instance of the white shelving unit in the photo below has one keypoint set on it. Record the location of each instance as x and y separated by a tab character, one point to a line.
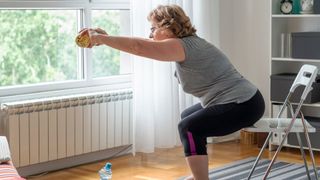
295	60
286	24
295	15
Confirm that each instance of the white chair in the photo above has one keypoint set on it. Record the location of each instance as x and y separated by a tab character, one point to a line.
305	77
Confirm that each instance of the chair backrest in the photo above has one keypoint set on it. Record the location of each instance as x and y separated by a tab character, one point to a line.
305	77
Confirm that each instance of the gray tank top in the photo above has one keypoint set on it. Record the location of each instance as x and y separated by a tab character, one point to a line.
207	74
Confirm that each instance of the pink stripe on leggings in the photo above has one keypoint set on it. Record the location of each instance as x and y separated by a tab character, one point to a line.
191	143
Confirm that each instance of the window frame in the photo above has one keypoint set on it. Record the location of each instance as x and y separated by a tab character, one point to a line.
86	81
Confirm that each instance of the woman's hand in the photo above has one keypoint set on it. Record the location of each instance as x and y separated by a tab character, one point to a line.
95	36
100	31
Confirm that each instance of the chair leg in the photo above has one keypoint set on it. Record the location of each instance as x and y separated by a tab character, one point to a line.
281	144
286	102
310	150
266	142
285	137
303	156
275	156
301	146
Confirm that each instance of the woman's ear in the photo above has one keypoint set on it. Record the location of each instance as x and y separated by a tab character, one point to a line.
169	33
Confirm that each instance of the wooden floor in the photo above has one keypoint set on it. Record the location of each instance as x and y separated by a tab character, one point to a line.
166	164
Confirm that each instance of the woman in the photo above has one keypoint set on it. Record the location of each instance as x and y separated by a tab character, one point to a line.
229	102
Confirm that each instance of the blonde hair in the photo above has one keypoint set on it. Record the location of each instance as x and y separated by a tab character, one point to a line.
174	18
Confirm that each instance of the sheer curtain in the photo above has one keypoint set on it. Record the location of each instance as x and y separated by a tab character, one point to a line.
158	99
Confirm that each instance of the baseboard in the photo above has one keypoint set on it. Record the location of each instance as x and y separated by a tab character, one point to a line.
73	161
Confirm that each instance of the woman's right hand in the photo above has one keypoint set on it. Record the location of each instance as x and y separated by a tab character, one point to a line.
95	35
100	31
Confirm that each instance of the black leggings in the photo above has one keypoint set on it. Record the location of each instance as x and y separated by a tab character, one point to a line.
198	123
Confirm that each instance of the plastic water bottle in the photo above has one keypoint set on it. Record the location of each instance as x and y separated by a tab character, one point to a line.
105	172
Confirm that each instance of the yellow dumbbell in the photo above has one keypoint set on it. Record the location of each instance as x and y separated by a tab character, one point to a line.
83	39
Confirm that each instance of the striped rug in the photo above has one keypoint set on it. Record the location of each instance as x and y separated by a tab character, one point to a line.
239	170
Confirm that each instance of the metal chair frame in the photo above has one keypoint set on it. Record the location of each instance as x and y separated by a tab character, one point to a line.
305	77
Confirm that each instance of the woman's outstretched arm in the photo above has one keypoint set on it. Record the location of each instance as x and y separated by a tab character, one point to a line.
163	50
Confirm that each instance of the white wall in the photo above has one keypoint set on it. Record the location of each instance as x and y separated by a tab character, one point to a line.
245	38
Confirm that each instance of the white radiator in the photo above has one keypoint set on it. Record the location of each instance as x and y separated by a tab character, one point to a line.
50	129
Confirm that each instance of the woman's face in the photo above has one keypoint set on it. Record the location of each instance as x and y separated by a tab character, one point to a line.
160	33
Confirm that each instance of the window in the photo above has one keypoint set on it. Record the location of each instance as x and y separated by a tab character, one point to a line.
37	46
106	61
38	52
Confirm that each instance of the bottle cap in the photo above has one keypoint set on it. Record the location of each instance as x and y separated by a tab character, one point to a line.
108	165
